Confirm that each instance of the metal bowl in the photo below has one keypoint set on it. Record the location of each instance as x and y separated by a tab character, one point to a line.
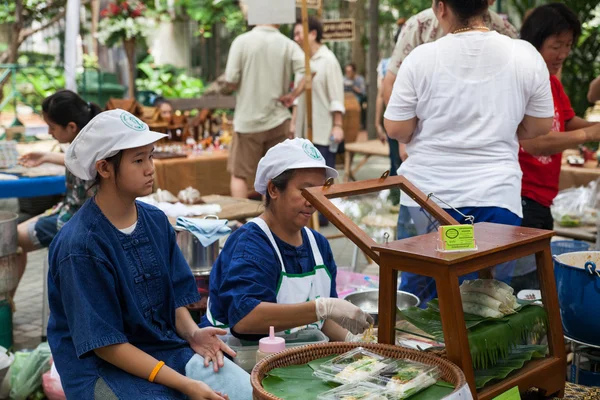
368	301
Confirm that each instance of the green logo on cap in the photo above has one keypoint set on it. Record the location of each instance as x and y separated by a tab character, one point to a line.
132	122
311	151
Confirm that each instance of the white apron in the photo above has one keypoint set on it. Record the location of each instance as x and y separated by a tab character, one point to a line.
294	288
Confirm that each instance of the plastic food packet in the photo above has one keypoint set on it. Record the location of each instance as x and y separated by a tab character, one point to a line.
354	366
403	378
354	391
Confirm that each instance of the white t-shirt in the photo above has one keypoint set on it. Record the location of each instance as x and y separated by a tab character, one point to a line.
469	92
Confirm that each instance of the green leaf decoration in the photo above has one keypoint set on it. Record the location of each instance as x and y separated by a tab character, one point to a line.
489	338
297	382
514	361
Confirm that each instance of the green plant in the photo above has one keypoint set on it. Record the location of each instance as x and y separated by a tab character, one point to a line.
36	83
583	65
123	20
210	12
167	80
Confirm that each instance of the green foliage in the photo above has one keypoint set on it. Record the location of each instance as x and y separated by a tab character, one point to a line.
208	13
36	83
583	65
405	8
32	10
167	80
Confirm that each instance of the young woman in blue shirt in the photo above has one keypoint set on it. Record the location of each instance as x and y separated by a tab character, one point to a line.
118	284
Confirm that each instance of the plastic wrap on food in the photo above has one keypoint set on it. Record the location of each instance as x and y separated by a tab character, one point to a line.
354	366
404	378
355	391
189	195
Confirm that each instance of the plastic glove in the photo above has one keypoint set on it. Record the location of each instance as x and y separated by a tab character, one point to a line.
352	338
370	338
344	313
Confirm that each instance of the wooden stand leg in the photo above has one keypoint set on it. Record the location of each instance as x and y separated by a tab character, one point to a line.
348	166
453	324
388	281
556	340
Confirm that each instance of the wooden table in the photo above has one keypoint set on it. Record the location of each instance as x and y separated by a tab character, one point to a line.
578	176
368	149
206	173
232	208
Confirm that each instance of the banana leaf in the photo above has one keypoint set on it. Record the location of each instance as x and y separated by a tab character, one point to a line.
489	338
297	382
514	361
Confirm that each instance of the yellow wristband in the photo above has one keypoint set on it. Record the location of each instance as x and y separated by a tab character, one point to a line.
155	371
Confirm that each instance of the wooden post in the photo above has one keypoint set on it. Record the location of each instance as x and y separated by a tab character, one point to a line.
373	60
129	46
307	73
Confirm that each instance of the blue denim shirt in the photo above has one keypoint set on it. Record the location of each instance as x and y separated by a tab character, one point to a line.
248	270
106	287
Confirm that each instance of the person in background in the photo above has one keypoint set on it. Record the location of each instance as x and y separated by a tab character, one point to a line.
327	94
395	160
552	29
260	65
118	284
274	271
165	109
425	28
66	114
594	92
461	104
354	83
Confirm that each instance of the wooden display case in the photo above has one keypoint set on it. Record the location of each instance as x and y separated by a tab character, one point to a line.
496	244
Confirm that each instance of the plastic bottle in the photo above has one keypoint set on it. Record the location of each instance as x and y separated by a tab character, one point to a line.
269	345
333	145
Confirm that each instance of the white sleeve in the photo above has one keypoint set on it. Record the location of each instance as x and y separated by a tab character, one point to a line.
540	103
403	101
233	69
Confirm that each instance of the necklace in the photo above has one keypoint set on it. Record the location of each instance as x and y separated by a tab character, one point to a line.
470	28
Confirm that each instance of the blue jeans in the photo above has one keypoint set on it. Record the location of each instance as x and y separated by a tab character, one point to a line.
413	221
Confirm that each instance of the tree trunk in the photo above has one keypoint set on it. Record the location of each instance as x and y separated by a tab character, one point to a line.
358	13
129	46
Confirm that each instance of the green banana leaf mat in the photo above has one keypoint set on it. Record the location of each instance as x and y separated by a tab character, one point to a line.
297	382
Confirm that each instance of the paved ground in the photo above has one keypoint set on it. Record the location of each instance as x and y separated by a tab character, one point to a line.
27	320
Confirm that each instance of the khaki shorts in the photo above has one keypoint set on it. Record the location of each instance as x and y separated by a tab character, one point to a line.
248	148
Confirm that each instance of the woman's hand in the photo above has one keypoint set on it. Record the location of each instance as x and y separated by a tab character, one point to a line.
197	390
344	313
381	133
33	159
206	343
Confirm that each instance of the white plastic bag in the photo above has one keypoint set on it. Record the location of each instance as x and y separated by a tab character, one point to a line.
576	206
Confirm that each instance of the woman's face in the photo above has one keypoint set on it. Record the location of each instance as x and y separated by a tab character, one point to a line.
166	111
556	49
64	134
290	204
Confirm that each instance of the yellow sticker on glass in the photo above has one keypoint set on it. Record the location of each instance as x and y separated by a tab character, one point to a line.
457	237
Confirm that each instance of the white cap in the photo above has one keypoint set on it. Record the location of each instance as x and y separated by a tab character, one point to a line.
291	154
104	136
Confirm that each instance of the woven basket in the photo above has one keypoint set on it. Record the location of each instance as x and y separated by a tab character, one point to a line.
302	355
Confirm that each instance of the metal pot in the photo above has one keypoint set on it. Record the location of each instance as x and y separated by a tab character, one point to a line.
199	258
8	233
368	301
578	285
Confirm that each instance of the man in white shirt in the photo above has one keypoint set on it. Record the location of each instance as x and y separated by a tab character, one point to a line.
260	66
327	93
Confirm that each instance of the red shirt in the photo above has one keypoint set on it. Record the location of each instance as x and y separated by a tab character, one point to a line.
541	173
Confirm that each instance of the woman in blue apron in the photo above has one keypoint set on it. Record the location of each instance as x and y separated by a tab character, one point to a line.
274	271
118	284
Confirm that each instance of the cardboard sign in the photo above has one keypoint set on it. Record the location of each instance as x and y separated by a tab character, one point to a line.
457	237
338	30
271	12
309	3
